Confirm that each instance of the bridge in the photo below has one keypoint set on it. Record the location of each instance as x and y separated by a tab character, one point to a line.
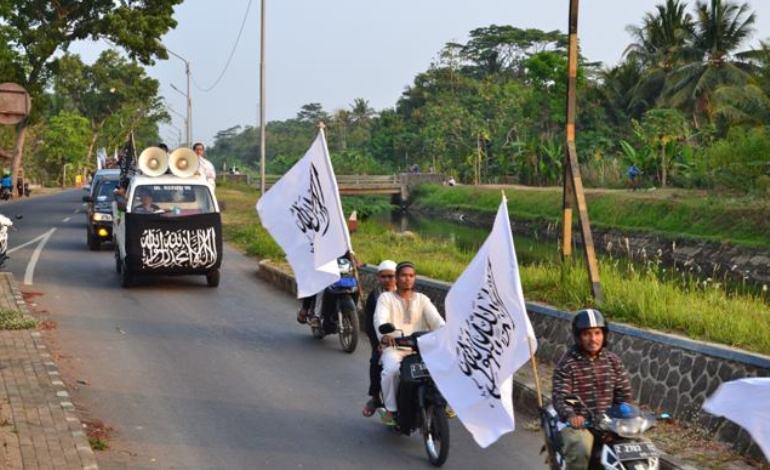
396	185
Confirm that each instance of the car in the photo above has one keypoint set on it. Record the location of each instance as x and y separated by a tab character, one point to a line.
168	225
99	212
104	173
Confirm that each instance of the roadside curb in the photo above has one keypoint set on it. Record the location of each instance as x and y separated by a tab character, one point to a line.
524	396
44	431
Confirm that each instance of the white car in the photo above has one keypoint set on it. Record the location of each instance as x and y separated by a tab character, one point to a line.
167	225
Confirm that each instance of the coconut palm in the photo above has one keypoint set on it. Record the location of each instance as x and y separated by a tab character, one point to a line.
659	46
361	112
721	27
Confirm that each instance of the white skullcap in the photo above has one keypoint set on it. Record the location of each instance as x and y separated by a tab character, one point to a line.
387	265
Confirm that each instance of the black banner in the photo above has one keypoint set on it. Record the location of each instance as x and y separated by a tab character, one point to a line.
157	243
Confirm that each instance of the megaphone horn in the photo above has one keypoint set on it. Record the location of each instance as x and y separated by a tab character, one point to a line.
153	161
183	162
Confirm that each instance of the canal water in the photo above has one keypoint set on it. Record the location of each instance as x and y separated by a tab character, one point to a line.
529	250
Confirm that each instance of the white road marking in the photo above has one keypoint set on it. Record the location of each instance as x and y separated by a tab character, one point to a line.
34	240
30	273
76	211
66	219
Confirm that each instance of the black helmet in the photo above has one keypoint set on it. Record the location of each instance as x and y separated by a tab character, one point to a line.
589	318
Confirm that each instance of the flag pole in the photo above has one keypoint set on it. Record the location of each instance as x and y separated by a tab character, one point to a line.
535	372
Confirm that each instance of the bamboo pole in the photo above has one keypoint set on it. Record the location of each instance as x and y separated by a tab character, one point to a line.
573	193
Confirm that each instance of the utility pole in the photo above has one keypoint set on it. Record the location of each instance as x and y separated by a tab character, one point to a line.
573	183
262	121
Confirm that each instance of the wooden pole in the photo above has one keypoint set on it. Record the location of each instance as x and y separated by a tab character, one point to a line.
573	183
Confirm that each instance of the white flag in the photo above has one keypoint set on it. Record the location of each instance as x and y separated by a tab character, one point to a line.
747	403
101	158
303	213
486	338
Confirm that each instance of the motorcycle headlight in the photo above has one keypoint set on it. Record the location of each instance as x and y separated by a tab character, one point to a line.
631	427
344	266
102	217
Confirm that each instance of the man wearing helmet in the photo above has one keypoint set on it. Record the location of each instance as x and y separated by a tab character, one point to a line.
386	279
408	311
596	376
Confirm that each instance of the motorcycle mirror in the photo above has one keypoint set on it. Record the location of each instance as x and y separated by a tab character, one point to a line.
387	328
18	217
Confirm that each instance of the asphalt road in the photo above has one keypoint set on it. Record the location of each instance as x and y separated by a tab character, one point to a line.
199	378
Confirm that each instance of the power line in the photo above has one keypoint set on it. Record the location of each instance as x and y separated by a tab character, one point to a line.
230	58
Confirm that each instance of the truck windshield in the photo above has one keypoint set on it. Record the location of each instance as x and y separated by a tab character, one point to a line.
172	200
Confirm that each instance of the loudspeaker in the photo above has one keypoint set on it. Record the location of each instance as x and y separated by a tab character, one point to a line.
153	161
183	162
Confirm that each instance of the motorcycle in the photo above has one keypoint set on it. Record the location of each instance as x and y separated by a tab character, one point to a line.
5	194
420	403
335	310
6	224
618	438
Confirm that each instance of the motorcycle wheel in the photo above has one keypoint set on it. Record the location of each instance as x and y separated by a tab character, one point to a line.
118	264
435	434
348	328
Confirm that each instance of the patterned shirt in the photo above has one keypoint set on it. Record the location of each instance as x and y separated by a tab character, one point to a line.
600	382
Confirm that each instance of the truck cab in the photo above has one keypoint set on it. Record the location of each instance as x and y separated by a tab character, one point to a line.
167	225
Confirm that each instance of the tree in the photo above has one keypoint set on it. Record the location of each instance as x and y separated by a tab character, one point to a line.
65	141
713	60
312	113
35	31
110	88
659	46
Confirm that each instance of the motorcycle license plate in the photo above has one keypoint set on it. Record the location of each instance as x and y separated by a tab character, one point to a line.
635	451
418	370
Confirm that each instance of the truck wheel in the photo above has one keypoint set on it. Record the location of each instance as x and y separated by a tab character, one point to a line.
92	241
126	276
212	278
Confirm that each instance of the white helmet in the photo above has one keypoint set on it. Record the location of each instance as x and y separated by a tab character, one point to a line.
387	265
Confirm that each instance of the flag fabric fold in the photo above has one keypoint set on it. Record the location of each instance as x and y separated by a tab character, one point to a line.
302	211
487	337
747	403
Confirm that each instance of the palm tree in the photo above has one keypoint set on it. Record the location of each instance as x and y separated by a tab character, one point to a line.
361	112
659	45
721	27
342	120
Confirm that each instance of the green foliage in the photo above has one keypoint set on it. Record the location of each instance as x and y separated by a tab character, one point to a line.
15	320
739	161
66	141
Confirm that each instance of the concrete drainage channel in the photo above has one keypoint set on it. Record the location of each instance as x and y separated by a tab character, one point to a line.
525	395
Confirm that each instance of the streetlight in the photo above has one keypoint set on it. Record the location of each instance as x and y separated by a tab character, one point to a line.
187	95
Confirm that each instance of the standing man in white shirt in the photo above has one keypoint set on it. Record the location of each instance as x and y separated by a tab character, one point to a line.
206	167
408	311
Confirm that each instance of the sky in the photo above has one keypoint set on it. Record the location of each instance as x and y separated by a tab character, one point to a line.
334	51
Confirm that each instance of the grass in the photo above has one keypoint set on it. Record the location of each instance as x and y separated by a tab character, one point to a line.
633	295
671	213
15	320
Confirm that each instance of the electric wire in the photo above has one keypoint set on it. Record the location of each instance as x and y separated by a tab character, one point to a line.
230	58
